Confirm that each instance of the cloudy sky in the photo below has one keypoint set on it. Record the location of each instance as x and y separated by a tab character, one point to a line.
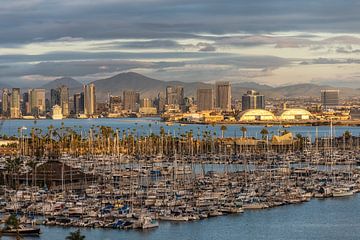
276	42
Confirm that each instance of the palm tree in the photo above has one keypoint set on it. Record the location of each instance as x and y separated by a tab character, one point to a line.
223	128
264	132
347	134
243	130
75	236
13	167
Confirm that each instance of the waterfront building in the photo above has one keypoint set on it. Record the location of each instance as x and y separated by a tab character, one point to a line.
329	99
115	104
175	95
295	114
205	99
147	107
257	115
253	100
355	113
37	101
146	103
64	100
56	112
5	102
131	100
15	103
102	108
89	99
79	103
223	96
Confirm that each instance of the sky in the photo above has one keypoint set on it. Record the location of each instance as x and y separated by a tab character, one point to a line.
274	42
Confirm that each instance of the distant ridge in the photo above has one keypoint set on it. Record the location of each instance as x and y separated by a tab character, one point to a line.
150	87
68	81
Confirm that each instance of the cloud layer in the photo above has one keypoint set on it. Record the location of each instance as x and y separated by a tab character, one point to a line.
267	41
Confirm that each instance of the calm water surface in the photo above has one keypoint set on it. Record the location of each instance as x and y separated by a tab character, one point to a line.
317	219
146	126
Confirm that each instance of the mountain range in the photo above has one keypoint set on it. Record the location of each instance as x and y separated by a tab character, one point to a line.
149	87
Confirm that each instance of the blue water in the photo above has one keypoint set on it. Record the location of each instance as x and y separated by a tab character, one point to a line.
145	126
318	219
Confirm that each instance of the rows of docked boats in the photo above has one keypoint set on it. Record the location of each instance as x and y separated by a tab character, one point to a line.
139	199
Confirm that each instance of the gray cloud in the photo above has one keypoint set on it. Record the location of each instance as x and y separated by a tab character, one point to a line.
347	50
152	24
49	20
73	55
331	61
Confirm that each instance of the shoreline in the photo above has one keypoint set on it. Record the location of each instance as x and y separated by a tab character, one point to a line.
355	123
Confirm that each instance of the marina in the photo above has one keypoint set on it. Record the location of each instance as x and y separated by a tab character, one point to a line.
326	219
122	180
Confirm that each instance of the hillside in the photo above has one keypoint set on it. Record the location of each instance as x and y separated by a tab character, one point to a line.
148	87
67	81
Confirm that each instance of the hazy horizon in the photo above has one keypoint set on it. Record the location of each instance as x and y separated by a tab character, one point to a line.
273	42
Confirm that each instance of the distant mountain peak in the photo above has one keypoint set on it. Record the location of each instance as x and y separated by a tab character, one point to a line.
67	81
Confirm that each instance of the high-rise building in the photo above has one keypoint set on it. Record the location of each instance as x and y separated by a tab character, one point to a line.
146	103
115	104
15	103
329	98
253	100
160	103
37	101
64	100
25	106
131	100
205	99
54	97
5	102
146	107
89	99
175	95
223	95
79	103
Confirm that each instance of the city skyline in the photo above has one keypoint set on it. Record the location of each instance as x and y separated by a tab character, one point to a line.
271	42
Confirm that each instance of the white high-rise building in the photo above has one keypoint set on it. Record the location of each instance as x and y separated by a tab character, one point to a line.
15	103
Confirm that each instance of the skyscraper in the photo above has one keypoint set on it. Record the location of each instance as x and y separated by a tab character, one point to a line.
5	102
89	99
175	95
146	103
223	95
15	103
25	107
64	100
131	100
54	97
79	103
37	101
160	103
253	100
205	99
329	98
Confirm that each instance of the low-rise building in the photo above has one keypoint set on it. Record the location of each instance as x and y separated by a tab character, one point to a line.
257	115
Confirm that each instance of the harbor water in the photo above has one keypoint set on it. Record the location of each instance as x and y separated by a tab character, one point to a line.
318	219
146	126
